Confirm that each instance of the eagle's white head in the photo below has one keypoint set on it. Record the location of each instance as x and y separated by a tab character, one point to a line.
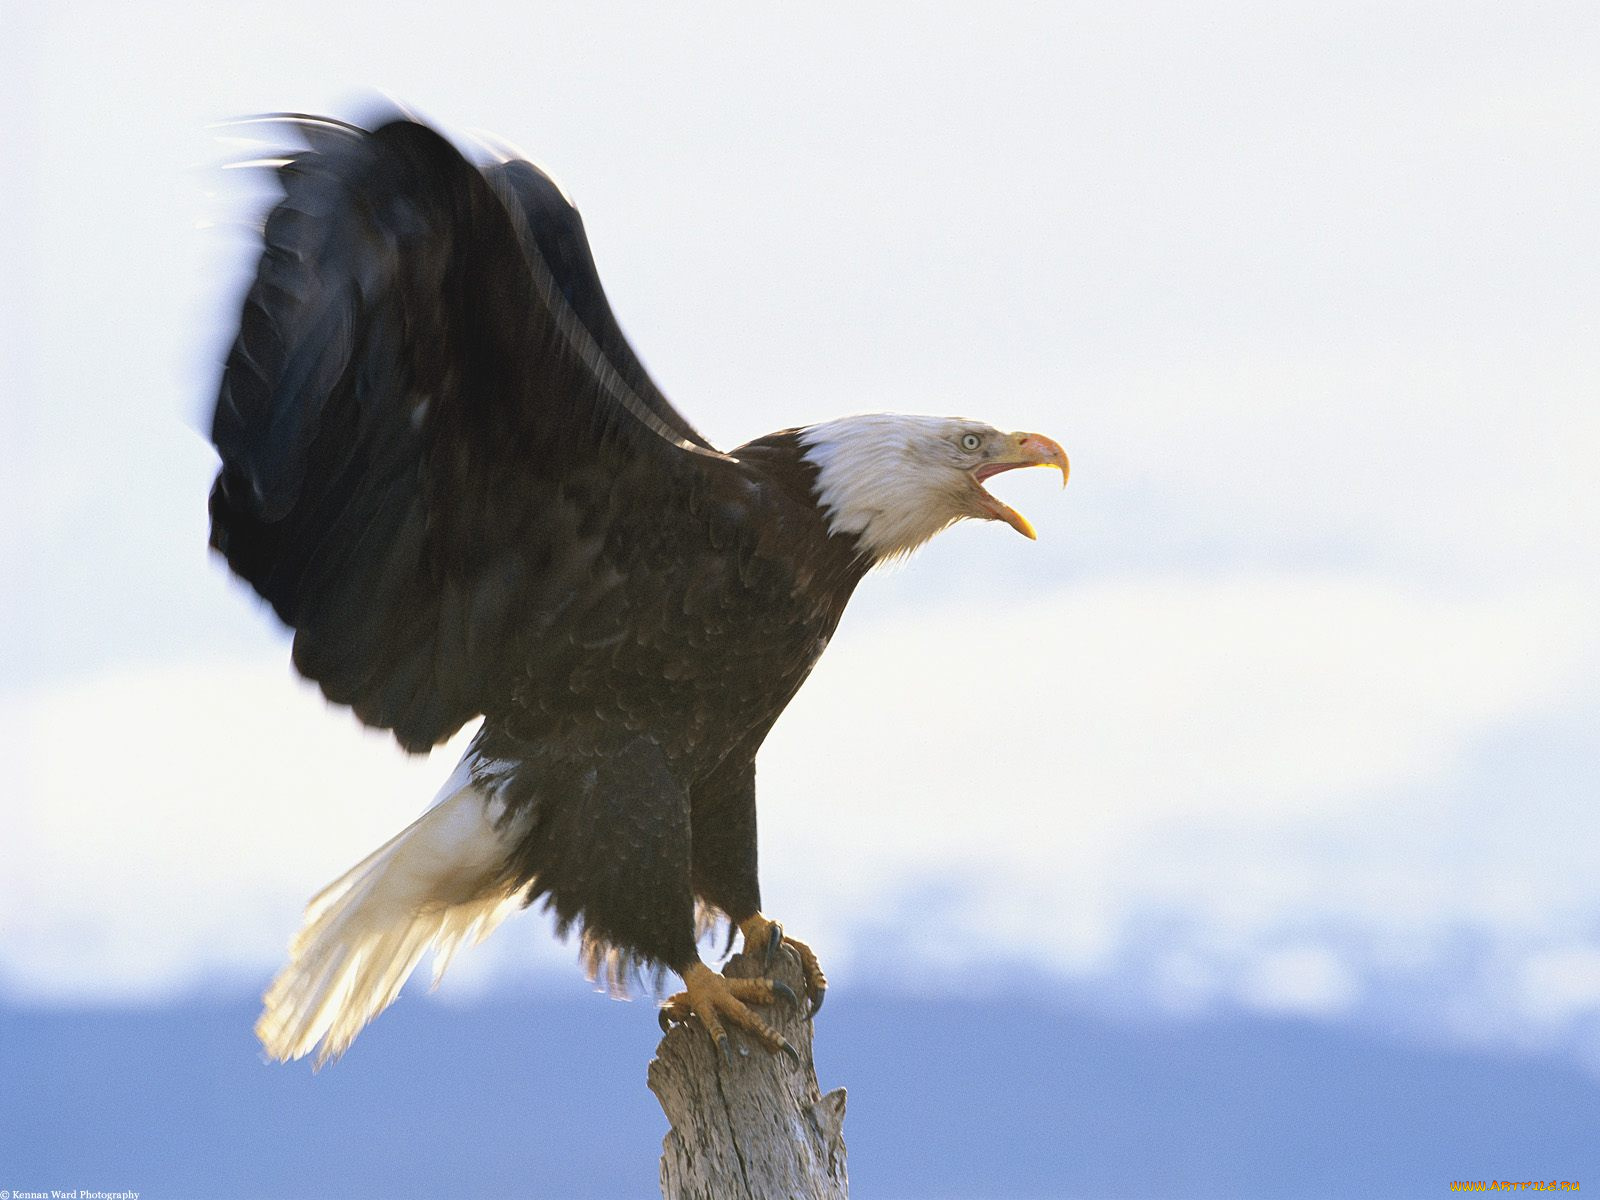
894	480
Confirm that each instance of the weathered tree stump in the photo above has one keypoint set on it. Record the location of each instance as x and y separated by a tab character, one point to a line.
755	1129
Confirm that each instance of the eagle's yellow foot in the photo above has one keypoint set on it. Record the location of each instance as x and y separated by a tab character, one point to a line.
715	998
764	936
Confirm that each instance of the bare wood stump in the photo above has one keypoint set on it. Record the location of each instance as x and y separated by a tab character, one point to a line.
758	1129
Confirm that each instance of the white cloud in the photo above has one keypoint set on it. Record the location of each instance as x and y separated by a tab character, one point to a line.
1169	780
1301	980
1561	984
169	823
1110	712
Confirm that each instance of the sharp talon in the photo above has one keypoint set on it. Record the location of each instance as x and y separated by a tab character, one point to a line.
661	1019
774	940
816	1002
786	1048
727	1049
780	988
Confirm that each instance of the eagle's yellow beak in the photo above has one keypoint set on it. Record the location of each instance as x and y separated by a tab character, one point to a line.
1022	450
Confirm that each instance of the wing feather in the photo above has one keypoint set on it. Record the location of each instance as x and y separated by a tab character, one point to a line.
423	423
555	228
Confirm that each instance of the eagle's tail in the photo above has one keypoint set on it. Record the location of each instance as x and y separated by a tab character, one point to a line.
437	883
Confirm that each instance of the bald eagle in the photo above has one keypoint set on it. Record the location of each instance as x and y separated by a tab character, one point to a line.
446	470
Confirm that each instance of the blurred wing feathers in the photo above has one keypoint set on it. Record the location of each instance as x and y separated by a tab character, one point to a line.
426	378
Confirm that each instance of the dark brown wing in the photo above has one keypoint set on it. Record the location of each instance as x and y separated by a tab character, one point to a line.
423	425
556	229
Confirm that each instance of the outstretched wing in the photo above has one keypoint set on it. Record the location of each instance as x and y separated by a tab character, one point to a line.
556	229
423	423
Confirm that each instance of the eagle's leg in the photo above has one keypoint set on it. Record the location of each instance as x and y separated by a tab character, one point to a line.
764	936
723	867
715	998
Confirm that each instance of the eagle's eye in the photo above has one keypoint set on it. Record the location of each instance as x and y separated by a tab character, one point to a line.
970	441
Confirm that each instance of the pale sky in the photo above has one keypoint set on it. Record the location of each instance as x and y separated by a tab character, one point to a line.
1292	708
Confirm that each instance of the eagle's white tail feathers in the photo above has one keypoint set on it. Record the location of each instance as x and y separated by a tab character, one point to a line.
437	883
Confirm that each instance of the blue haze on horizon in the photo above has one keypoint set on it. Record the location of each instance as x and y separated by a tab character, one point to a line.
946	1098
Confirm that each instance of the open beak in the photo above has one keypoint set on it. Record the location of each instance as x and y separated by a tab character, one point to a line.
1024	450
